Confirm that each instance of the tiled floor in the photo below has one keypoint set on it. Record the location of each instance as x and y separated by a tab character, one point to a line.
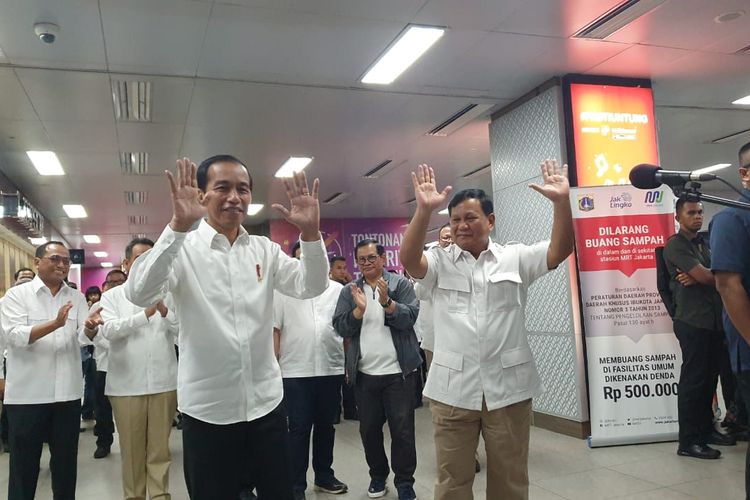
559	467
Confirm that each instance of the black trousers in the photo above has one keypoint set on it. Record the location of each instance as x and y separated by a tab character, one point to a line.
30	426
348	401
89	376
701	357
381	399
219	460
312	404
743	389
104	428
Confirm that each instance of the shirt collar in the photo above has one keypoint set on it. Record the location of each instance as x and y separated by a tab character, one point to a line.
37	284
209	235
456	252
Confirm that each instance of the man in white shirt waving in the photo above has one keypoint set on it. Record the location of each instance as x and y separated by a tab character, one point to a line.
141	383
44	322
311	357
222	282
483	375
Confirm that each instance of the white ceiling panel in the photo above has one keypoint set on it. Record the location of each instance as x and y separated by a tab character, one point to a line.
163	37
67	95
14	105
26	135
272	45
150	137
558	18
482	15
381	10
79	44
76	136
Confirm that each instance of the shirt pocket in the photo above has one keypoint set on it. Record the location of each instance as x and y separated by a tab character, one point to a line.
518	369
457	292
447	368
504	290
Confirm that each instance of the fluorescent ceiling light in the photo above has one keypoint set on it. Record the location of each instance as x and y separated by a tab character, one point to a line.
254	208
712	168
45	162
38	241
106	264
743	101
75	211
443	211
402	53
292	165
91	238
100	254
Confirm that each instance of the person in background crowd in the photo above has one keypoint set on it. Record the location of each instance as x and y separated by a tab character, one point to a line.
697	325
23	275
340	274
222	279
142	381
339	271
311	357
93	295
378	312
482	376
730	243
44	322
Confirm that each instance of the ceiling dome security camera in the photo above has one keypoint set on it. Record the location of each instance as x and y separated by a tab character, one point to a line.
47	32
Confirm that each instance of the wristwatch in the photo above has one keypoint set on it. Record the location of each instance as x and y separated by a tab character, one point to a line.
387	304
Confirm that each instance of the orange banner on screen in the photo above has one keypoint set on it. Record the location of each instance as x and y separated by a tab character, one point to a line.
614	130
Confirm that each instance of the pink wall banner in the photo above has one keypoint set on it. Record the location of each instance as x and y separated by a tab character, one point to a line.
633	356
341	237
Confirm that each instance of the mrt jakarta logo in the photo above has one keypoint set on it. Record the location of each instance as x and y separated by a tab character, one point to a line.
585	203
654	197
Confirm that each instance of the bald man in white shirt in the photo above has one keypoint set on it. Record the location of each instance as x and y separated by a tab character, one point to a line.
222	281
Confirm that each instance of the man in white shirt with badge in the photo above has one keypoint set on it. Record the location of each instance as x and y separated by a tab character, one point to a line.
311	357
483	374
141	383
222	281
44	323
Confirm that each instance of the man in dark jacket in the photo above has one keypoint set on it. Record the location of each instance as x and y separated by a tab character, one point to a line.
377	312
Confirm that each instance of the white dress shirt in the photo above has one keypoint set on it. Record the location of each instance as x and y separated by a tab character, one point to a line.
49	370
101	346
142	359
424	327
224	302
378	353
309	346
481	343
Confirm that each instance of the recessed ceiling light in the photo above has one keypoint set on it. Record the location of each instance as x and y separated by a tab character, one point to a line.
38	241
712	168
45	162
292	165
743	101
443	211
402	53
91	238
75	211
106	264
100	254
728	17
254	208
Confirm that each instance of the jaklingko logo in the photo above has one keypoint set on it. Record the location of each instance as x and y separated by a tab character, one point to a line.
622	201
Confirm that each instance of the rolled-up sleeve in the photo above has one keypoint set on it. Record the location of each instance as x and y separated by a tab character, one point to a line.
305	277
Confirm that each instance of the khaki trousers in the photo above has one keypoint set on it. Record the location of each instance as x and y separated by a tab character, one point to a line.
506	438
143	425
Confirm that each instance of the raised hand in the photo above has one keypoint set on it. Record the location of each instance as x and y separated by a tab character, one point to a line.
186	207
304	209
382	291
555	184
425	189
359	298
62	314
162	308
94	319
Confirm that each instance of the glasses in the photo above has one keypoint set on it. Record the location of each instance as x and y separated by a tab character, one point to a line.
57	260
370	258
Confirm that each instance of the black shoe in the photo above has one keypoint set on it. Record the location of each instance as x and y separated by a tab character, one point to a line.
377	488
247	495
477	467
351	416
6	448
101	451
406	493
298	495
335	487
716	437
699	451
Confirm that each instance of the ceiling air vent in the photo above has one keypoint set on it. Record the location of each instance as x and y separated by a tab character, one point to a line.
375	172
136	197
459	119
336	198
743	51
132	100
134	163
137	220
617	18
138	236
476	171
410	201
